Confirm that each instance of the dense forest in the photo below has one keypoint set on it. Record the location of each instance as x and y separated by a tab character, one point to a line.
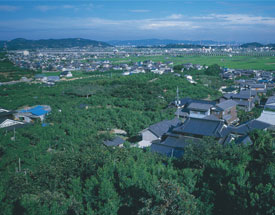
62	167
87	178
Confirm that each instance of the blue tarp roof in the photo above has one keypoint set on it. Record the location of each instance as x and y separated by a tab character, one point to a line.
37	110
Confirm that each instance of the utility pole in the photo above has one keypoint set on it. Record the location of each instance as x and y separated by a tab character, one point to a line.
13	134
19	165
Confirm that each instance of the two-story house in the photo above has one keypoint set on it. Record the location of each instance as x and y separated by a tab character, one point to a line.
226	110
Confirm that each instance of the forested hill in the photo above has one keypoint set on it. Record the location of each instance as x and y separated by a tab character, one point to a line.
252	45
21	43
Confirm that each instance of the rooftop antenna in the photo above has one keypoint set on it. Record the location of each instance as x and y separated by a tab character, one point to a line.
178	103
249	104
5	47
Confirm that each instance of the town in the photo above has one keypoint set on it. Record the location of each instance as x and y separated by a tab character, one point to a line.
242	91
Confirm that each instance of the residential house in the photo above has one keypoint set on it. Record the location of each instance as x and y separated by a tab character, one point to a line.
7	122
156	131
245	99
190	79
66	74
191	131
259	88
226	110
117	141
6	114
270	103
33	113
184	102
39	77
199	110
267	117
249	126
188	66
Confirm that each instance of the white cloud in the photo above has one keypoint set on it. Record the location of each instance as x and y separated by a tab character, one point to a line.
237	19
45	8
68	6
140	11
175	16
164	24
8	8
214	25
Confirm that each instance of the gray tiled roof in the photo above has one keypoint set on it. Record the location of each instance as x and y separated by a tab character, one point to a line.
257	85
270	100
226	104
249	92
164	126
115	142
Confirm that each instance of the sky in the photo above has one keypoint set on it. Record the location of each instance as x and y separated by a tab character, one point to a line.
105	20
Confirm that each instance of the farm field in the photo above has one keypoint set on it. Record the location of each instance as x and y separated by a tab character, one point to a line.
235	62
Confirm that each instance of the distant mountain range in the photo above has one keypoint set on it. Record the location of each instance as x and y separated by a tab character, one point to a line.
158	42
256	45
21	43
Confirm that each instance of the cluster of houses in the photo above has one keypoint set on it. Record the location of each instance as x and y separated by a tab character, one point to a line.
257	76
188	66
197	119
148	66
77	61
11	120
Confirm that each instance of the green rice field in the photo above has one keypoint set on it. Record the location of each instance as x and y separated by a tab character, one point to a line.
235	62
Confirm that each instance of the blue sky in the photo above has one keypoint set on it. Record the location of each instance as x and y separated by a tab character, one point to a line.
227	20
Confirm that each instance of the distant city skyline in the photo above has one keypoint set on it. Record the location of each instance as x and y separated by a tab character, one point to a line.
105	20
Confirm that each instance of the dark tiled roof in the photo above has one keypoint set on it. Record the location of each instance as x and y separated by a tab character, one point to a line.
244	140
165	150
249	126
228	95
178	141
185	101
115	142
164	126
211	117
243	103
6	113
241	96
202	127
199	106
